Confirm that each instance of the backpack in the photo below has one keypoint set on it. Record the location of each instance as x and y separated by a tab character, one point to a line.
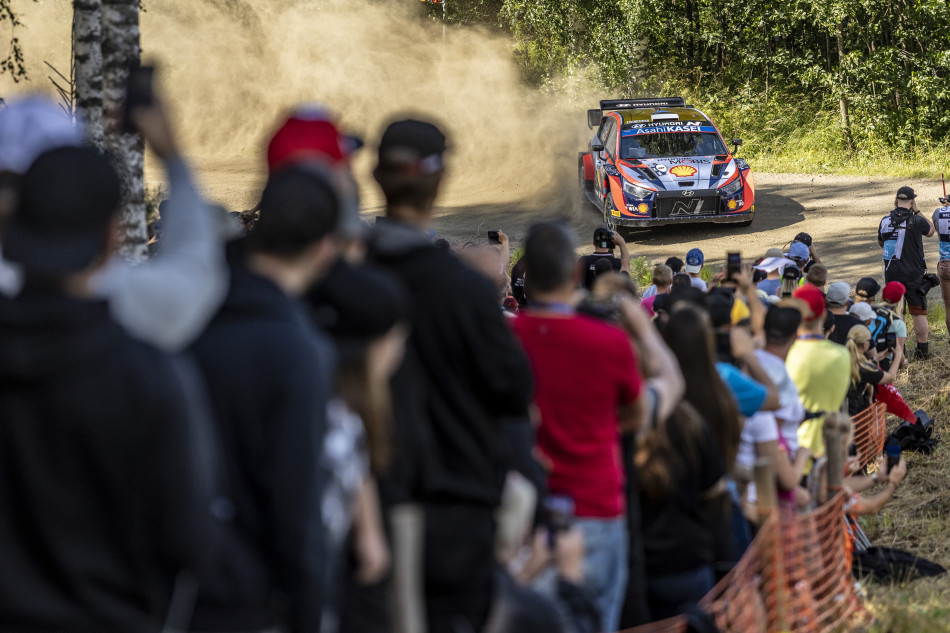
890	565
917	438
880	326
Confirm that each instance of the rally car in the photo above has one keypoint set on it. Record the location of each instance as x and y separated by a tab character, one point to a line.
659	161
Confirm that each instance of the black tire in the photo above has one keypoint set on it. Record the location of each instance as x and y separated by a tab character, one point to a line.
581	183
608	207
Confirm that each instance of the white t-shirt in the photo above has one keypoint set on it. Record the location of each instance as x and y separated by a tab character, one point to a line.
649	292
698	283
791	412
759	428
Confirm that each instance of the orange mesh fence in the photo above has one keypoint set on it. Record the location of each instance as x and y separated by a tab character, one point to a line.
795	577
870	432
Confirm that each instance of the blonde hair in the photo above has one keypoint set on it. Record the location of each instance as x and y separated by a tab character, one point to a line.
857	335
662	275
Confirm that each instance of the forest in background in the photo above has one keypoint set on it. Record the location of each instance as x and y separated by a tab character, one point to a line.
861	86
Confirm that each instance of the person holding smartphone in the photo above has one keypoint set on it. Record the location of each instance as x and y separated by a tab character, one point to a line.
605	241
900	236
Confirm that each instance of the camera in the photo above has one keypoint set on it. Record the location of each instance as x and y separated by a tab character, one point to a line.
804	238
930	281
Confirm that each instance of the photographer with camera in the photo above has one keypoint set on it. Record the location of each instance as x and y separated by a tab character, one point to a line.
899	234
812	255
941	222
605	241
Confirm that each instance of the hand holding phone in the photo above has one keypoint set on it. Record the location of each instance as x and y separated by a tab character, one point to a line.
493	237
139	93
733	265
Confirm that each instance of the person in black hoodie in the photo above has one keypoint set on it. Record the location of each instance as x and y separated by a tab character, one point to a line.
106	474
269	373
462	374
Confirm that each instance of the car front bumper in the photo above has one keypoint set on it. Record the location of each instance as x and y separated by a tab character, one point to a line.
643	222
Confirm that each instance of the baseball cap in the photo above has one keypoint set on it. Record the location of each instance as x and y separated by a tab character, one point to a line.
67	199
310	138
309	133
814	299
412	146
867	288
838	294
906	193
356	304
774	252
602	236
862	311
893	291
797	250
694	261
31	126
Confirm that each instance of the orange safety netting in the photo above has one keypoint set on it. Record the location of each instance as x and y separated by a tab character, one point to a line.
870	432
795	577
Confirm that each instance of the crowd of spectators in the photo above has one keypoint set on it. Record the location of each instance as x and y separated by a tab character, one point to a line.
290	419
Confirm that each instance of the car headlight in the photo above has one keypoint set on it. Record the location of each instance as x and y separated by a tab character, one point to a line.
732	187
635	191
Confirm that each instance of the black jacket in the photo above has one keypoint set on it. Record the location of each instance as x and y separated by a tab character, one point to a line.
103	500
268	373
463	372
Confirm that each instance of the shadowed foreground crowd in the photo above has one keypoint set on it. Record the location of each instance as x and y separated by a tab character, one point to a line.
289	420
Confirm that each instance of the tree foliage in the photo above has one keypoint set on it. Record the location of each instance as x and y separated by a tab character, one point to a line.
11	59
888	60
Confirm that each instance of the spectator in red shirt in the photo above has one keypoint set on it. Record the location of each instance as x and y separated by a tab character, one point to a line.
583	406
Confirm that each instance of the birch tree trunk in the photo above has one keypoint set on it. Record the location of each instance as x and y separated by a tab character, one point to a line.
87	66
120	49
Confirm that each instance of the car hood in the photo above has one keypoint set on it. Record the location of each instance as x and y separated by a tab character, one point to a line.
677	173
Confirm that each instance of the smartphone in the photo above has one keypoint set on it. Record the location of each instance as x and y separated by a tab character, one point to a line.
139	92
733	265
558	516
493	237
852	450
893	453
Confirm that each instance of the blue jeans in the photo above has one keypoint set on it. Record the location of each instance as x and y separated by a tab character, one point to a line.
605	566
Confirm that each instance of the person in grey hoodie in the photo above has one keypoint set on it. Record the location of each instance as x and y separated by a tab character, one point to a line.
168	300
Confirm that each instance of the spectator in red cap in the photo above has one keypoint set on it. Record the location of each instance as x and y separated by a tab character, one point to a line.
310	137
893	296
820	369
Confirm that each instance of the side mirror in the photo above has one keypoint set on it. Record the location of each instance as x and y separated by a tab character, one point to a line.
594	118
737	142
597	148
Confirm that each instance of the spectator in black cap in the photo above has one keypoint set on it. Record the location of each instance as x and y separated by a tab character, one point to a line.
106	490
464	371
364	310
899	234
838	295
866	290
605	241
270	372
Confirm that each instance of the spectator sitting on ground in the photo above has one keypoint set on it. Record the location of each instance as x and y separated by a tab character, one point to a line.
821	370
694	266
604	242
893	301
837	297
675	264
866	374
582	407
817	276
663	282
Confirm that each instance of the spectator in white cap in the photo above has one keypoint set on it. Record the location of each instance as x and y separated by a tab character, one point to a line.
772	265
838	295
862	311
28	128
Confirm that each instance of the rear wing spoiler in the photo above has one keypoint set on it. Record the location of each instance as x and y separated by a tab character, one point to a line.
594	116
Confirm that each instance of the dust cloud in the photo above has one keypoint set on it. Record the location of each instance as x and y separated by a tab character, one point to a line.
232	68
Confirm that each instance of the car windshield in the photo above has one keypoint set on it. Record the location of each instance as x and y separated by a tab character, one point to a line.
670	145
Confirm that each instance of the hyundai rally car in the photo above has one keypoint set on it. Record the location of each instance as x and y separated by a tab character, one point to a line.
659	161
